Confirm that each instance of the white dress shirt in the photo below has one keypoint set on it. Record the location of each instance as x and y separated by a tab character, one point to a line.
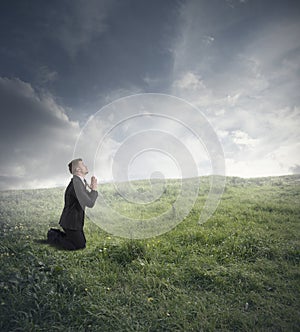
82	179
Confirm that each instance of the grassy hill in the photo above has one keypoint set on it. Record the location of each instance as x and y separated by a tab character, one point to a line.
237	272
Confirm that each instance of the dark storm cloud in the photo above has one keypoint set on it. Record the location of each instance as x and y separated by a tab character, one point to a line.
92	46
36	137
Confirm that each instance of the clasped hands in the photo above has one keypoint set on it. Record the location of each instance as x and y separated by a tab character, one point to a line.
94	183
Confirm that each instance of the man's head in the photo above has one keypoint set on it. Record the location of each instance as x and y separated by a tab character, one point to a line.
77	167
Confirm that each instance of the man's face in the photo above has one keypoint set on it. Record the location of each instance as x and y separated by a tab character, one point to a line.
83	167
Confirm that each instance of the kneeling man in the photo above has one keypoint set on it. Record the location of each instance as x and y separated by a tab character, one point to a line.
78	195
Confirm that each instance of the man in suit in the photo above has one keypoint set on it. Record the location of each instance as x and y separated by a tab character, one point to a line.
78	195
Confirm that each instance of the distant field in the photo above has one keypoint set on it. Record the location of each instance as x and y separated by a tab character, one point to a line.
237	272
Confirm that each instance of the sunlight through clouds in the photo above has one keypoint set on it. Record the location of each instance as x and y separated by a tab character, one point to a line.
247	87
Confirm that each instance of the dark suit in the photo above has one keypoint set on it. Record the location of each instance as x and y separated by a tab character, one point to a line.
77	197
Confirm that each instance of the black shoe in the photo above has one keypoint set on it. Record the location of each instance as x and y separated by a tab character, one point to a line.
53	236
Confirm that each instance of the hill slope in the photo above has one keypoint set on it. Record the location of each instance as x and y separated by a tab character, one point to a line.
237	272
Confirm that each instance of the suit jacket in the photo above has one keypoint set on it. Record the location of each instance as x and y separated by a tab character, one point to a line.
77	197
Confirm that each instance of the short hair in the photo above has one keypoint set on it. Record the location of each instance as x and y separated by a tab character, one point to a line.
73	164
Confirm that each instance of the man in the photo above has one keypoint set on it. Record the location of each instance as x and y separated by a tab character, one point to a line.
77	197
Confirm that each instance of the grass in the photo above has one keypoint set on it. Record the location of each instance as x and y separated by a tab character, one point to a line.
237	272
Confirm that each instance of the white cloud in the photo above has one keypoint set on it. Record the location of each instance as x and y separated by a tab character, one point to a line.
120	93
242	138
45	75
295	169
189	81
265	167
208	40
232	100
191	87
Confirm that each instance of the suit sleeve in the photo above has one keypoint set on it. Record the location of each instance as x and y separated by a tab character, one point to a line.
84	197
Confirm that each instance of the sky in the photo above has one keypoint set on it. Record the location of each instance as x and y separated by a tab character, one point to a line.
236	61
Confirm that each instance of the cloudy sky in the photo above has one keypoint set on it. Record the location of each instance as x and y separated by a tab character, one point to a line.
237	61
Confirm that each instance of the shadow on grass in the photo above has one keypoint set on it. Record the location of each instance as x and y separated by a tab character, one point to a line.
41	241
45	242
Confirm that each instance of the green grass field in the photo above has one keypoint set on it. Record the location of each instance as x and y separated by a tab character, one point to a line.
237	272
